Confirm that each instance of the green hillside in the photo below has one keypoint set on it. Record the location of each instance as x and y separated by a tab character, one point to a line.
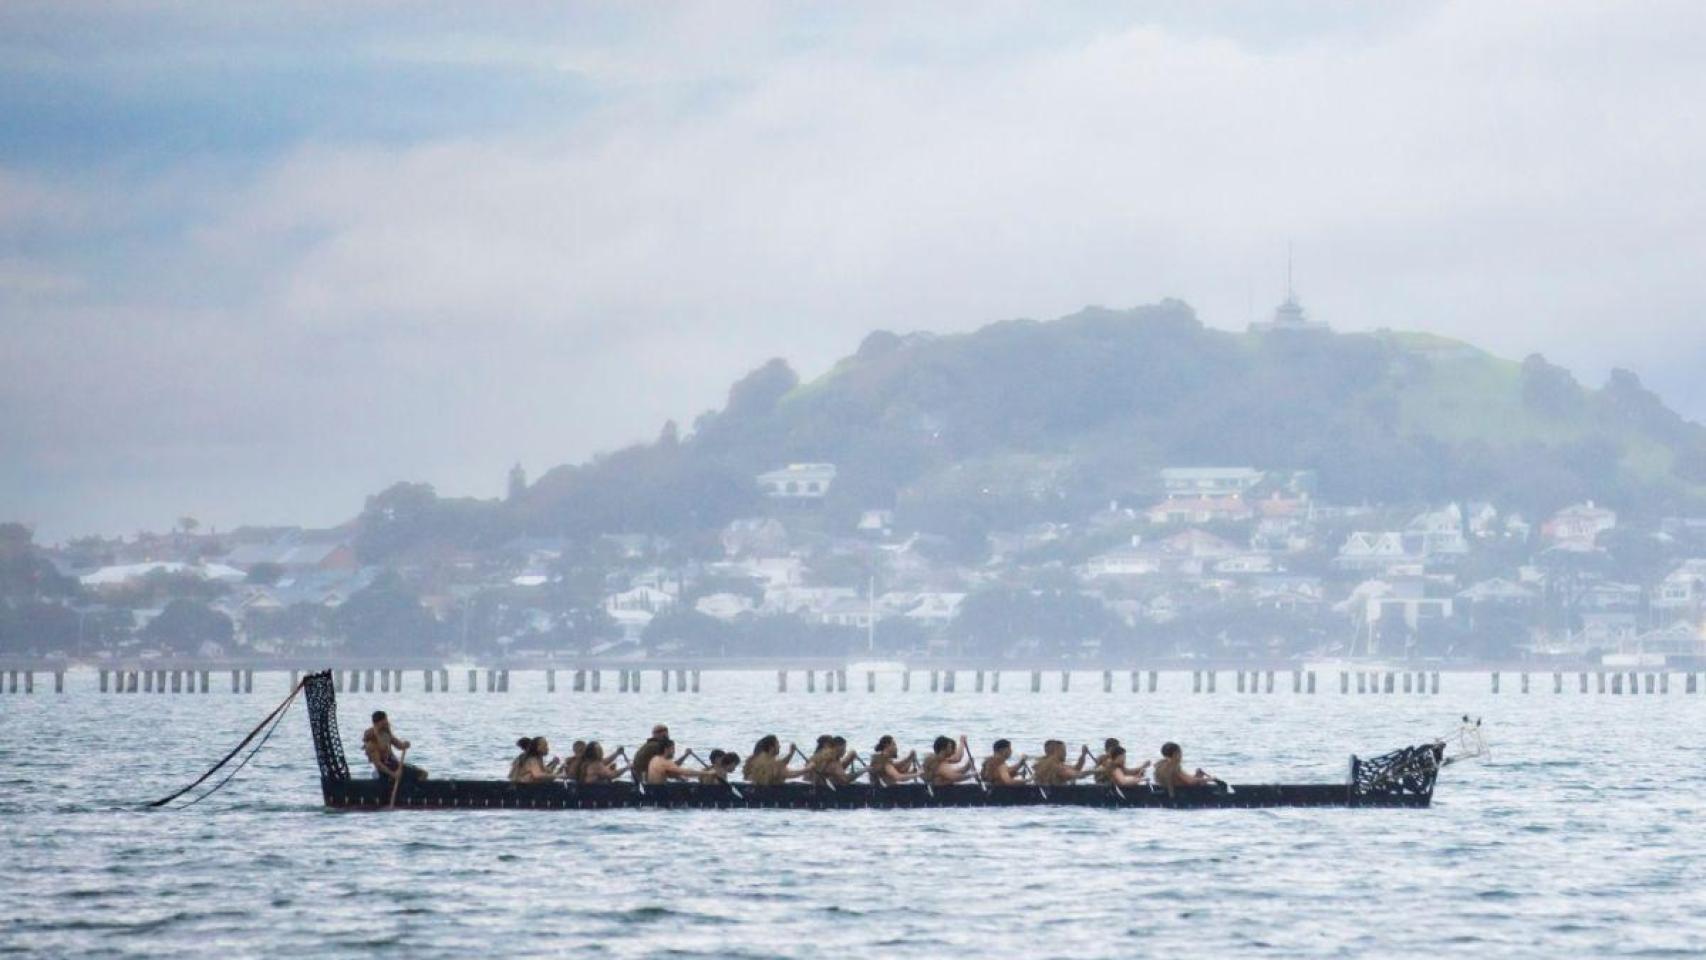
1025	419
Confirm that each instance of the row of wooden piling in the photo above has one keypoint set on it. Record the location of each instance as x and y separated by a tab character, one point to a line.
167	681
497	681
1138	681
9	681
159	681
1612	682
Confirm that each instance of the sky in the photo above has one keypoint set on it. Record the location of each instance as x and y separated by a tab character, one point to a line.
259	261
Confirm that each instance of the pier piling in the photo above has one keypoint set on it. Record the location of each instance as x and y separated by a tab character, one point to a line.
1107	681
1065	680
1495	681
1036	681
1310	681
811	681
1152	681
1525	682
695	681
597	677
870	681
906	681
995	681
1196	681
59	681
948	681
1210	681
103	681
1692	685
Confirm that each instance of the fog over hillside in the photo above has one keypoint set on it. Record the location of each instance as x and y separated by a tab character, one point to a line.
260	262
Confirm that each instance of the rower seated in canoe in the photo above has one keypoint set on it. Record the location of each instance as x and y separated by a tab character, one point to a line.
643	756
885	768
722	764
767	767
1112	770
663	768
999	769
1169	772
828	763
592	767
949	762
380	745
1053	771
531	766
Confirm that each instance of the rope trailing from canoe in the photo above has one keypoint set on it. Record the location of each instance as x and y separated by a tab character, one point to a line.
268	725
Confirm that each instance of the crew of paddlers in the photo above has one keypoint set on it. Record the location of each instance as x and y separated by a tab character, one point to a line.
830	763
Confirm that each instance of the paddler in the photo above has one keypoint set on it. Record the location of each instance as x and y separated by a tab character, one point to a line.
380	745
996	770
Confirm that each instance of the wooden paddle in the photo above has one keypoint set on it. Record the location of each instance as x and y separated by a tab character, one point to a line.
402	771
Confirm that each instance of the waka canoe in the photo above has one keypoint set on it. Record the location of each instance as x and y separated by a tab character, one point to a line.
1402	778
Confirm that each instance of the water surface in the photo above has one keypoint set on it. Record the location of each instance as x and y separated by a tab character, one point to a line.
1583	834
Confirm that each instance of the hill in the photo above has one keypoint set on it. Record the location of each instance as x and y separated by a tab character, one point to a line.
1037	420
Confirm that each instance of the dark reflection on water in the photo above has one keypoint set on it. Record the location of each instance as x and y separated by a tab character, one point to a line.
1582	836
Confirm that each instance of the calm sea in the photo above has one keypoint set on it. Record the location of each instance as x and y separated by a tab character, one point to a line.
1582	835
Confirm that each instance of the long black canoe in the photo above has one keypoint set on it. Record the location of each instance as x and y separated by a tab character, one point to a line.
1402	778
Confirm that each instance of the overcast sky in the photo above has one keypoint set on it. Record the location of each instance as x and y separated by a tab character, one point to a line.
257	262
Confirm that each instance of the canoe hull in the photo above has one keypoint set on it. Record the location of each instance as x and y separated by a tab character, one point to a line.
371	794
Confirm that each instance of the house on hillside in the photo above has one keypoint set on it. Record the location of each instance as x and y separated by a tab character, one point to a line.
633	609
117	576
1191	482
1578	526
723	606
1182	510
1440	533
798	481
1375	550
1417	602
1495	597
1682	593
296	551
1128	561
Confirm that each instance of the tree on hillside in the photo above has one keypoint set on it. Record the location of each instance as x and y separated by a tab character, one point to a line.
386	617
24	572
187	627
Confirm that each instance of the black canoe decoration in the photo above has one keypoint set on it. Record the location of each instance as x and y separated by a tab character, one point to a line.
1403	778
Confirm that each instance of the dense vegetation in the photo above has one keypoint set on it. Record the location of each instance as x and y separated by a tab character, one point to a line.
1028	420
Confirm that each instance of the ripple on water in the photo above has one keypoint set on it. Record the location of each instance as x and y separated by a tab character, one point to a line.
1534	855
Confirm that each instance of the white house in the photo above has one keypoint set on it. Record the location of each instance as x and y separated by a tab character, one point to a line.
1209	481
723	606
1123	562
1198	510
1440	533
798	481
1576	527
1683	589
1366	550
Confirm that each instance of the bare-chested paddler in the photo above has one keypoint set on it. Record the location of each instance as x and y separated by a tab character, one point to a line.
997	771
662	768
1053	771
949	762
1170	772
381	746
643	756
885	767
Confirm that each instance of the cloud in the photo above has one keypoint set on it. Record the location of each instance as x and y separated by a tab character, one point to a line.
670	197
